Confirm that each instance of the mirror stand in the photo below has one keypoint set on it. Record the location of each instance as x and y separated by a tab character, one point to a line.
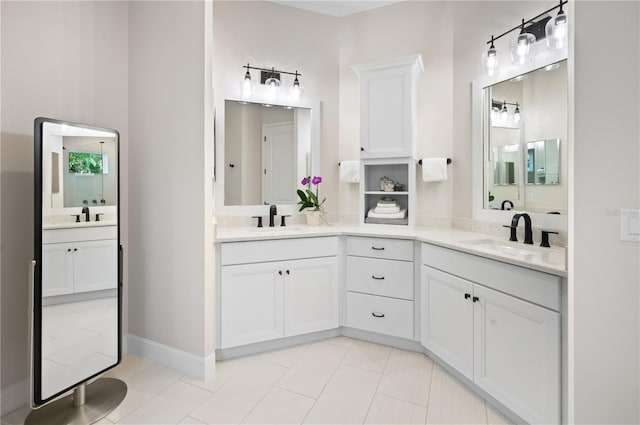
86	405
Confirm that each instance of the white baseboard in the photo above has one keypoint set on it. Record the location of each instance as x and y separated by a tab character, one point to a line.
190	364
14	396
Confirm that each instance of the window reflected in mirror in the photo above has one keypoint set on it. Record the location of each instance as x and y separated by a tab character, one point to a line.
525	157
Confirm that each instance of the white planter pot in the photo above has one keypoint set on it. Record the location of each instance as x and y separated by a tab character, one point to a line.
314	217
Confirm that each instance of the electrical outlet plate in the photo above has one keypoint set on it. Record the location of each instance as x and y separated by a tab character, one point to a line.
630	225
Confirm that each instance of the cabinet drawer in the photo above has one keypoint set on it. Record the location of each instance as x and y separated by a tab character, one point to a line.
277	250
380	314
390	249
537	287
89	233
389	278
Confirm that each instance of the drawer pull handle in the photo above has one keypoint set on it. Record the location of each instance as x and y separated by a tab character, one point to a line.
377	277
375	248
377	314
476	299
467	296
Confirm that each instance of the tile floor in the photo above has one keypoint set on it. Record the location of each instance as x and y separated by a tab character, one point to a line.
334	381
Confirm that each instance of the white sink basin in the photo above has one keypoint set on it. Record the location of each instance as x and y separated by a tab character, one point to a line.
511	249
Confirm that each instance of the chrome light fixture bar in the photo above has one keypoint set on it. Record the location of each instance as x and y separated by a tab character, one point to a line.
554	29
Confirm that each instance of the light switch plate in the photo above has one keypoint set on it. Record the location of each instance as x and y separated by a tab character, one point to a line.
630	225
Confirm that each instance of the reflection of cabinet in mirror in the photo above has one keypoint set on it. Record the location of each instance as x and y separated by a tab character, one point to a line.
79	260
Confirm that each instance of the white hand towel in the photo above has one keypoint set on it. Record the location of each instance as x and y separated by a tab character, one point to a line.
350	171
386	210
401	214
434	169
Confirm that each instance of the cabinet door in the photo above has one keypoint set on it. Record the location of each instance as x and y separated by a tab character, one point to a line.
386	114
57	266
447	318
310	295
95	265
251	303
517	354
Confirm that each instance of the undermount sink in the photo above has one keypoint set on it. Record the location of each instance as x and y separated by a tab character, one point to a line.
513	249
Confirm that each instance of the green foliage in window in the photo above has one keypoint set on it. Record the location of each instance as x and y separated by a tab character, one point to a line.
85	163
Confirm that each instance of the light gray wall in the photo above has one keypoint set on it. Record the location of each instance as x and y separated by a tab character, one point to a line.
604	272
171	248
64	60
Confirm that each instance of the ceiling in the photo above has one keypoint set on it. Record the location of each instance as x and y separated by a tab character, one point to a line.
336	8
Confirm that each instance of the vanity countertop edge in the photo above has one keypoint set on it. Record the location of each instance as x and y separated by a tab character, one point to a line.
458	240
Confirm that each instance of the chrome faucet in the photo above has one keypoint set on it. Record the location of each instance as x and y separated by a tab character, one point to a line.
528	234
273	210
85	211
504	202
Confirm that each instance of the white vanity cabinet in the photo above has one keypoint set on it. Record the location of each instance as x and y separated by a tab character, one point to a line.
277	288
79	260
388	107
380	285
498	325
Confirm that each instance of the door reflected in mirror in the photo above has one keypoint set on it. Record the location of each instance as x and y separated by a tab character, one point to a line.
524	157
267	151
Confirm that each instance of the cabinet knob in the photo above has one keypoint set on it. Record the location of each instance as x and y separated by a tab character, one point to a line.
75	249
68	249
467	296
476	299
280	272
377	277
377	315
361	149
288	272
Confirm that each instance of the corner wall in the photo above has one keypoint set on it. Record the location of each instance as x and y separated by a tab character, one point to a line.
171	164
604	272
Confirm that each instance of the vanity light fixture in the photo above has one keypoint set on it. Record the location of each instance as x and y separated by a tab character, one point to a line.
500	112
516	114
503	112
271	79
542	26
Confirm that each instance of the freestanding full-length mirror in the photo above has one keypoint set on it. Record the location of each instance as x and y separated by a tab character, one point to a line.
77	289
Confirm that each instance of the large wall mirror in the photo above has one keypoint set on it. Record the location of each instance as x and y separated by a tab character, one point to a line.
525	145
521	141
263	151
77	292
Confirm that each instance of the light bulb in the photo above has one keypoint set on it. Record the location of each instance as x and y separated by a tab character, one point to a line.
504	113
491	60
296	89
516	114
247	86
521	51
557	31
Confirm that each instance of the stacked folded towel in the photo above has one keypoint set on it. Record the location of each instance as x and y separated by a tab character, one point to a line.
387	209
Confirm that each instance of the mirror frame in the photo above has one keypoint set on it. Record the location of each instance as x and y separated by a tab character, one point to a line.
35	322
251	210
480	132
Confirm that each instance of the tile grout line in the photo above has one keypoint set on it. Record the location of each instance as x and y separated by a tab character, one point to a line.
375	392
327	383
433	369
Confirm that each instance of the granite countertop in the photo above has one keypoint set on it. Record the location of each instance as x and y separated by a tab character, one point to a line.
548	260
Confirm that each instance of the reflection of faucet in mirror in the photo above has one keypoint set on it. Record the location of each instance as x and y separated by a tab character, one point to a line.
528	234
503	204
273	210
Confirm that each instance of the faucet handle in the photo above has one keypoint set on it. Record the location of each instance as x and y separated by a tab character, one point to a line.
77	216
98	216
512	236
283	223
259	217
545	238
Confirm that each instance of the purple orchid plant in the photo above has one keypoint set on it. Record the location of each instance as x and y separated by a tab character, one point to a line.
308	199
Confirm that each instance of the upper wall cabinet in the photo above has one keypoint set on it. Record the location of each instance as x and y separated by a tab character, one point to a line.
388	107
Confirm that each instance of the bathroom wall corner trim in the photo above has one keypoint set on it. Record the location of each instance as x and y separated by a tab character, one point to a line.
14	396
188	363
